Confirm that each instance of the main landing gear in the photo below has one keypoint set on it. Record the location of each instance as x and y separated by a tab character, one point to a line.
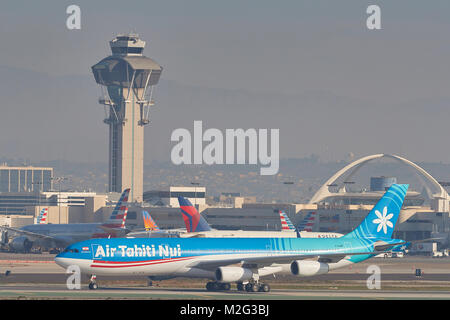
249	286
218	286
93	283
253	287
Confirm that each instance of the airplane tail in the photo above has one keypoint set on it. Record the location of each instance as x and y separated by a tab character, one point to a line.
286	224
149	223
42	218
193	220
119	214
381	220
308	222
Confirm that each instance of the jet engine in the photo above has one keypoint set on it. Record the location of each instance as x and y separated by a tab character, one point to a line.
233	274
306	268
21	244
3	237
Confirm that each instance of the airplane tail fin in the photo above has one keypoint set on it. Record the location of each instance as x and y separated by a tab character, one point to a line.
381	220
286	224
308	222
119	214
42	218
149	223
193	220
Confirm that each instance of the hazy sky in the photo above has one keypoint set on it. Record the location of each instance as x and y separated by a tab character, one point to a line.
310	68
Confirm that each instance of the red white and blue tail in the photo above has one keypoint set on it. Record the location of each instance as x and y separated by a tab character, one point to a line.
286	224
308	222
119	214
43	215
193	220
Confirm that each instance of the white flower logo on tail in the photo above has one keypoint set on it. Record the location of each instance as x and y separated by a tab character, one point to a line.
383	220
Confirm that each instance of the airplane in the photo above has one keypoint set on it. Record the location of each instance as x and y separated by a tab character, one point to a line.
151	229
304	228
198	227
286	224
149	223
194	223
308	222
216	258
61	235
193	218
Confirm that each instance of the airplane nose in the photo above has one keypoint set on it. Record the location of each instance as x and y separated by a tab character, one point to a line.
62	262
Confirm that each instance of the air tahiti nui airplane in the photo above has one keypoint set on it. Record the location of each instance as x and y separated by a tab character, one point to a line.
240	260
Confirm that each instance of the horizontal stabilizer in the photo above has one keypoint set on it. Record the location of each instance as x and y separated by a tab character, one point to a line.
116	231
387	246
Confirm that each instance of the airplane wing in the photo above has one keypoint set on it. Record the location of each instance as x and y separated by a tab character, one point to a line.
28	234
260	261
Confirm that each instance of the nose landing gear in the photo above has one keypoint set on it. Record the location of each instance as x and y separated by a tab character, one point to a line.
93	283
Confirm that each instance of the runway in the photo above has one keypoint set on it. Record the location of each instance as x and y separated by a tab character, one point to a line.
132	293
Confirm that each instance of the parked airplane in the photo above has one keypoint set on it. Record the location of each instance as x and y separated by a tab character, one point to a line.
193	218
162	258
61	235
194	222
151	229
308	222
304	228
149	223
286	224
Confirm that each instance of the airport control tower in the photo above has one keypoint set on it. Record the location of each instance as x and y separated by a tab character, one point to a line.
127	79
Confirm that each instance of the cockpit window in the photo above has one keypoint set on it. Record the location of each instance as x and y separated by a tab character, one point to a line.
71	250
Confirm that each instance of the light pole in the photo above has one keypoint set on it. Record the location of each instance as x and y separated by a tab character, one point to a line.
38	193
289	184
58	180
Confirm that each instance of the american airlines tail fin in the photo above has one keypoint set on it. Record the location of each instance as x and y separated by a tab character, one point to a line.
42	218
193	220
286	224
381	220
308	222
119	214
149	223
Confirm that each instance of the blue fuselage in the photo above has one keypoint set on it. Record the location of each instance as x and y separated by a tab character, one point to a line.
159	255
